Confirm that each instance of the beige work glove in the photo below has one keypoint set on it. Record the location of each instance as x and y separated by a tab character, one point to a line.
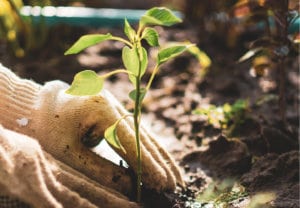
35	177
60	122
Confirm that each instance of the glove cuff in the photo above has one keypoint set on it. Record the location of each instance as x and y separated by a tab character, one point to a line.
17	98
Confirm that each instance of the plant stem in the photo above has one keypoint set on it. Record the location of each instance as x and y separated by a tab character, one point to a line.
136	118
152	77
117	71
122	40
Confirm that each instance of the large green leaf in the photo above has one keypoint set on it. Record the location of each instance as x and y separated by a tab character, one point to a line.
159	16
86	83
131	60
111	136
142	64
129	31
151	36
87	41
171	52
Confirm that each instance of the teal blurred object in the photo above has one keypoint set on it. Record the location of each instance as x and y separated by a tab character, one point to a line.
82	16
103	17
295	25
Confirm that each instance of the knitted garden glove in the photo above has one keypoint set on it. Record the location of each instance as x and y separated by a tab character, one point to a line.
60	122
31	175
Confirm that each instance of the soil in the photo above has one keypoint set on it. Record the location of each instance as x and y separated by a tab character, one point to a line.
260	153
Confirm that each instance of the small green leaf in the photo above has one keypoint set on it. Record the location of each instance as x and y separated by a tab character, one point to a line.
131	60
111	136
151	36
202	57
87	41
86	83
171	52
130	33
132	94
159	16
143	63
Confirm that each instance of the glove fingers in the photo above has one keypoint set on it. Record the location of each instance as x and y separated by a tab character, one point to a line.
95	193
167	157
63	194
21	171
99	169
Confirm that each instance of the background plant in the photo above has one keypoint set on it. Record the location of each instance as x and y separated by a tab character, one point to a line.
222	193
19	32
11	24
135	60
277	41
227	117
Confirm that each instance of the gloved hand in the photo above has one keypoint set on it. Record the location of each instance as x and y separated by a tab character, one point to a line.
35	177
60	122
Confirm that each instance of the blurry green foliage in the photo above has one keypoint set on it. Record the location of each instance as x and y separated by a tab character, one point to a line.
17	32
228	193
226	115
11	24
262	200
222	193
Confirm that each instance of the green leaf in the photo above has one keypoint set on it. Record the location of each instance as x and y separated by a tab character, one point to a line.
130	33
131	60
132	94
111	136
159	16
87	41
144	60
171	52
86	83
151	36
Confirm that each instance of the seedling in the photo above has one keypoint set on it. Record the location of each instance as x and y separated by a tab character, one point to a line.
225	116
135	60
222	193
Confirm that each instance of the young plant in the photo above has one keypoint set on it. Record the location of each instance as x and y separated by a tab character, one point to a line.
135	60
226	116
222	193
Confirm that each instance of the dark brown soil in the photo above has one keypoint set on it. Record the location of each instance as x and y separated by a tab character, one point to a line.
262	154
